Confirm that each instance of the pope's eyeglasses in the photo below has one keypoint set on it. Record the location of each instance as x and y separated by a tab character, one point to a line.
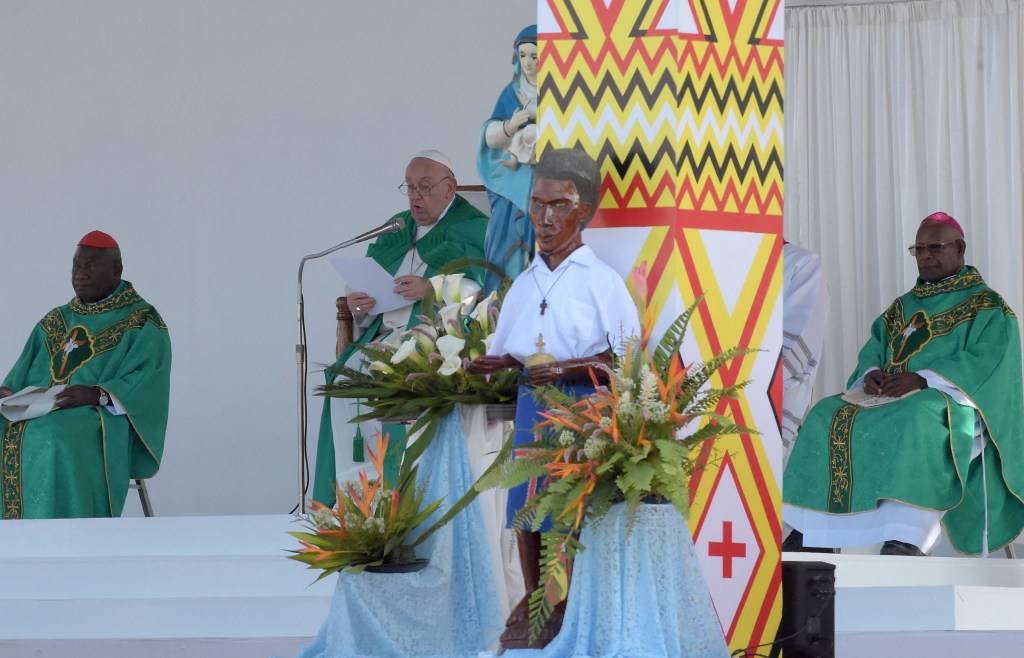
421	188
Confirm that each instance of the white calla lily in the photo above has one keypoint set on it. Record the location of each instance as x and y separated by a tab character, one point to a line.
450	366
480	312
380	366
437	282
450	346
407	350
468	291
450	316
452	290
488	339
425	334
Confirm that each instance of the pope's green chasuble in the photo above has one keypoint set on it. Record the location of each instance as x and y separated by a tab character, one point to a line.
917	449
457	235
78	462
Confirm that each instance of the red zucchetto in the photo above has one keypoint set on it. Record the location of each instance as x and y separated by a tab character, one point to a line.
945	219
97	239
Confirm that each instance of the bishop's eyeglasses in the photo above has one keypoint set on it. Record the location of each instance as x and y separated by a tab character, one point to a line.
932	247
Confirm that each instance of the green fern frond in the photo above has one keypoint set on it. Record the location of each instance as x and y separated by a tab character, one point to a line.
670	343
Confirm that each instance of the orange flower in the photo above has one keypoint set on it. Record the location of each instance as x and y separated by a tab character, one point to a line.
377	459
394	504
641	439
580	504
614	429
364	502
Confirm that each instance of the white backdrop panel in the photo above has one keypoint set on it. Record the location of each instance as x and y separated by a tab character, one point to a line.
219	141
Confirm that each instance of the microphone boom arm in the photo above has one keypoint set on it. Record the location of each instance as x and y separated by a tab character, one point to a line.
393	225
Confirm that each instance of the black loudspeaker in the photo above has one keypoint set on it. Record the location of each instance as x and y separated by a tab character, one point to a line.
808	628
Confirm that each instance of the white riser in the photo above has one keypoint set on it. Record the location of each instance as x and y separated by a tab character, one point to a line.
153	648
122	579
892	570
190	579
945	644
159	577
943	608
224	617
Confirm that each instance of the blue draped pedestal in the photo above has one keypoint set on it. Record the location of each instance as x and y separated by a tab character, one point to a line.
637	595
448	609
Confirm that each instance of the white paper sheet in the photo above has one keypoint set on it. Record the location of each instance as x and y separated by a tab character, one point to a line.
30	402
364	274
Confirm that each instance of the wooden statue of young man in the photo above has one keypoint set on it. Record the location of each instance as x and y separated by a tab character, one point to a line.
572	305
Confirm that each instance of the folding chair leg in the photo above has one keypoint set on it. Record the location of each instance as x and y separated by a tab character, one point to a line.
147	508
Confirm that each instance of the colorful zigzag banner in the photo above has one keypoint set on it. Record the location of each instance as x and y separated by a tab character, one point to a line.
680	101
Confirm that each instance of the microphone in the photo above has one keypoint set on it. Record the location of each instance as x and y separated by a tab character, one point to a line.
393	225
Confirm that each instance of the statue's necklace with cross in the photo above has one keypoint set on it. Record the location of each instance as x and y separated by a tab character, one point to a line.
543	294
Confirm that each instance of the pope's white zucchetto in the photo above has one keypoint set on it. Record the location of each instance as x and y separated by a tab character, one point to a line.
438	157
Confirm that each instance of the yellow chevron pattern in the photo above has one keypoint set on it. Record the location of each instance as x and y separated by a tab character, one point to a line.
681	104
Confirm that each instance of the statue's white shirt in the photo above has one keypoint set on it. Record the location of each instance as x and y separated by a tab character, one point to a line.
588	309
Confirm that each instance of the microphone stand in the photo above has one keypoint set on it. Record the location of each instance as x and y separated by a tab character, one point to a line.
391	226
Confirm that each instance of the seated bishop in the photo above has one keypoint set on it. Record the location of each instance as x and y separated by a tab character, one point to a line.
933	436
104	362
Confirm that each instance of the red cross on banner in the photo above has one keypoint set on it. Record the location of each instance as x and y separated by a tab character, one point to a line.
727	549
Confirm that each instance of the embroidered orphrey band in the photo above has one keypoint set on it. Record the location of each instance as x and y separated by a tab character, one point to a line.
10	470
840	459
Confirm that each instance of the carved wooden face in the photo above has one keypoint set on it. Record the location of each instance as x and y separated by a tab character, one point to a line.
557	215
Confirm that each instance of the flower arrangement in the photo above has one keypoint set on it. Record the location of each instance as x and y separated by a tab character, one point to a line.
422	368
420	372
370	526
632	439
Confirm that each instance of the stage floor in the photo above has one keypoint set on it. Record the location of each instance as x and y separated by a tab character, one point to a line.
154	587
222	587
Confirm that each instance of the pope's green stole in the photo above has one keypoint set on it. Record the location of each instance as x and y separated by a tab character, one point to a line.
69	348
907	337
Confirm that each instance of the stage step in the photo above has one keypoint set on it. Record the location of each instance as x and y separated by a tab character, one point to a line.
221	586
221	578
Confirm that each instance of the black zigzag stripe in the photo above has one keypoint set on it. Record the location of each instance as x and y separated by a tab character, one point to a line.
636	30
731	160
648	162
607	87
578	32
700	92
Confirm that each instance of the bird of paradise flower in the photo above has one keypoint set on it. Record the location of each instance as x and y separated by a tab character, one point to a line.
370	525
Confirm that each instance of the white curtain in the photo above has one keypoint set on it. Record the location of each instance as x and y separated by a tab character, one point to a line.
894	111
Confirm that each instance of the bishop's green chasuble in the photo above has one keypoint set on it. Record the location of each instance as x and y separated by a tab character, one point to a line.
78	462
917	450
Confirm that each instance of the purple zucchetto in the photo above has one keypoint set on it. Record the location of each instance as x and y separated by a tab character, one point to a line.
945	219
